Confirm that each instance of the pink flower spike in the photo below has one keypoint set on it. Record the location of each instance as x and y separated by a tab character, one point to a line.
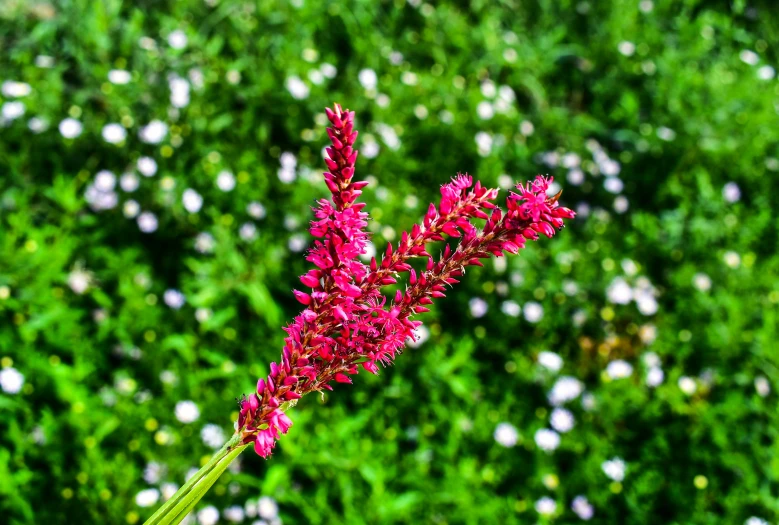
347	320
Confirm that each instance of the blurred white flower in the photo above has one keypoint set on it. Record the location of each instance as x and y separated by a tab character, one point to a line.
762	386
255	210
208	515
288	160
14	89
225	181
488	89
147	166
70	128
147	497
582	508
79	280
655	376
627	48
248	231
732	259
267	508
105	180
316	77
575	177
478	307
179	92
510	308
485	110
614	469
328	70
119	76
546	506
749	57
44	61
687	385
114	133
731	192
533	312
11	380
154	132
571	160
754	520
619	291
526	128
12	110
484	143
203	314
212	435
174	299
650	359
551	159
187	411
562	420
766	73
153	472
297	88
621	204
204	242
702	282
547	440
129	182
619	369
666	134
550	361
297	243
588	402
147	222
99	198
506	435
37	125
565	389
234	513
409	78
370	149
177	39
613	185
131	209
192	200
368	78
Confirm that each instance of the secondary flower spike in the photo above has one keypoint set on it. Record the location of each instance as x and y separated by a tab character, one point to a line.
347	322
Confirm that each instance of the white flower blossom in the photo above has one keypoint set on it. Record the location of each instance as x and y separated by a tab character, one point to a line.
614	469
547	440
187	411
147	497
11	380
506	435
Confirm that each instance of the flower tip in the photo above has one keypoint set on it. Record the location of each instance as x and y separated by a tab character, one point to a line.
343	378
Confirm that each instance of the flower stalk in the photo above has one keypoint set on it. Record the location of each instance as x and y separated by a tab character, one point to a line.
347	322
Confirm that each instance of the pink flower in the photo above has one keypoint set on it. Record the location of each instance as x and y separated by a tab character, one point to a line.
348	323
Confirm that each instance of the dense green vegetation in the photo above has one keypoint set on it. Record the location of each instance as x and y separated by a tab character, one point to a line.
123	295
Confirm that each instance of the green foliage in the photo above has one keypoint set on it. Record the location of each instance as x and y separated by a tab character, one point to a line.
667	95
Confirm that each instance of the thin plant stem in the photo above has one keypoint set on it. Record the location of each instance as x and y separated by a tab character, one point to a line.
229	447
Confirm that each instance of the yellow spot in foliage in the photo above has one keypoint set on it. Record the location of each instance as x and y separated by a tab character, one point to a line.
701	482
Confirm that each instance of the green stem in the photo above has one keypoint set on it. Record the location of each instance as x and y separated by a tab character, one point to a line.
216	465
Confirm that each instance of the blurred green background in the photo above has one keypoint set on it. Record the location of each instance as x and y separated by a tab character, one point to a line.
158	161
